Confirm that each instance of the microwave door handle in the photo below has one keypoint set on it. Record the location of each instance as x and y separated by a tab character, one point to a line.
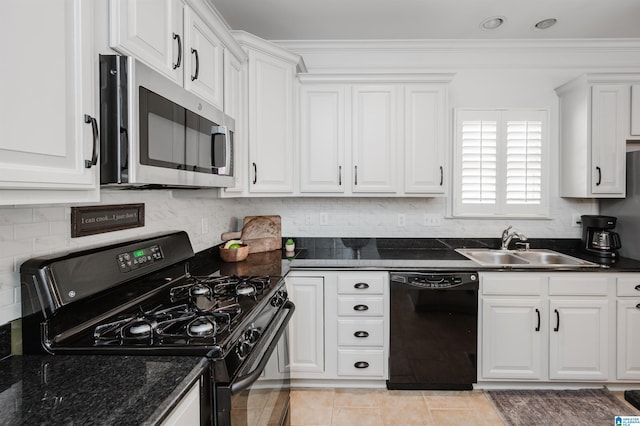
218	130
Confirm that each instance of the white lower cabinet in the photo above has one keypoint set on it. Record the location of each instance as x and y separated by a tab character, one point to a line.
306	329
187	412
628	323
340	330
546	327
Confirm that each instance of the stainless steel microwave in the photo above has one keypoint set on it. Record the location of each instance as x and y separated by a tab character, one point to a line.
156	133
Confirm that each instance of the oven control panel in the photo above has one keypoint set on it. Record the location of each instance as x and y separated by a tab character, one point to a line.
139	258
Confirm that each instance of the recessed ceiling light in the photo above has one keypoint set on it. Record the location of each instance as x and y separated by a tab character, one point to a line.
546	23
492	23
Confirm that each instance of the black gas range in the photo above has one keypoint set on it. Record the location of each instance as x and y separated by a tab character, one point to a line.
139	297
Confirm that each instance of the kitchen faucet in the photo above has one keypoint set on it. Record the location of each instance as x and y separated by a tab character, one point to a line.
507	237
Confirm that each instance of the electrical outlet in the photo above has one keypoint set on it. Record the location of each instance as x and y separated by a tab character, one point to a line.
401	219
576	220
308	219
205	226
324	219
432	219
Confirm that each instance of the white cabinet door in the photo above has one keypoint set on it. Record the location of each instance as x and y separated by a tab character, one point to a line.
47	89
203	60
187	412
151	30
511	338
233	83
635	110
375	138
425	139
609	130
235	107
628	359
271	81
578	339
306	337
322	138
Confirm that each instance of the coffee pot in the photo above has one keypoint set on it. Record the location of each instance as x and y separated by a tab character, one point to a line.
598	238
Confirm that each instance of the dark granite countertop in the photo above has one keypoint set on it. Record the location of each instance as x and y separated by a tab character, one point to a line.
429	253
93	390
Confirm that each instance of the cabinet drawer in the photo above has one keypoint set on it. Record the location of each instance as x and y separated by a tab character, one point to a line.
512	284
360	332
579	285
629	285
361	306
362	283
362	363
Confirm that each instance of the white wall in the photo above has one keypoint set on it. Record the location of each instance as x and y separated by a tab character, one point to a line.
487	75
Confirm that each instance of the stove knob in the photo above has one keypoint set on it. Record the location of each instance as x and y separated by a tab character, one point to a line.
277	301
252	335
243	349
283	294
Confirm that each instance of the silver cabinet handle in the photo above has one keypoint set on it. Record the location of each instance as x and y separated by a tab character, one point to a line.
179	61
361	308
195	52
361	364
339	175
361	334
94	127
355	179
361	286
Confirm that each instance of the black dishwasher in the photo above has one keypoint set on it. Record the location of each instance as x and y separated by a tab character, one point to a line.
434	329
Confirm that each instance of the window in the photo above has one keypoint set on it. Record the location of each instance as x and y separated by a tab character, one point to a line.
500	163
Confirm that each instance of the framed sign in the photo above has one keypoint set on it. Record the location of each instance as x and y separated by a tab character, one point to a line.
100	219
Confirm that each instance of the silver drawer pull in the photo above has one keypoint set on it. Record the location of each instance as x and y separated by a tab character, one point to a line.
361	286
361	334
360	308
361	364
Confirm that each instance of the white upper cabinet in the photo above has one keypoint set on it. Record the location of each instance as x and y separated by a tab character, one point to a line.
152	31
177	39
425	147
386	138
47	114
375	138
203	62
595	123
271	80
322	138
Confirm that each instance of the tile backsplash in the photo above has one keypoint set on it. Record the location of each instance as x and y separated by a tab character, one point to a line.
29	231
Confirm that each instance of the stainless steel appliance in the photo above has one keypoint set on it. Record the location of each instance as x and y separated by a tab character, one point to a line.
598	239
627	209
140	298
155	132
433	330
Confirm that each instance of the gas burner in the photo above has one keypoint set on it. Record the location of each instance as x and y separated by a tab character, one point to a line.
202	326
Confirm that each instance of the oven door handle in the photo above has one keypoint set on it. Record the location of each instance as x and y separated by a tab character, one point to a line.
243	382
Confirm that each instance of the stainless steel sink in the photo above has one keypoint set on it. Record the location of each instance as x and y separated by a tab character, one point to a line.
524	258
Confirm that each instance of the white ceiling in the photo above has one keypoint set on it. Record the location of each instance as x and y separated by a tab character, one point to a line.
430	19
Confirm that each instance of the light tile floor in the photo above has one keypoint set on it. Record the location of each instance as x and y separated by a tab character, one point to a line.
379	407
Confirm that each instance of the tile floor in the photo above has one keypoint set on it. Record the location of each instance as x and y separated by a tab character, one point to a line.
379	407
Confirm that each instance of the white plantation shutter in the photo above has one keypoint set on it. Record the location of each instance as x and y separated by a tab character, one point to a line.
500	163
479	162
524	162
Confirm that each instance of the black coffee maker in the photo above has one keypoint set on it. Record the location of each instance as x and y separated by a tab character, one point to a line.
598	239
